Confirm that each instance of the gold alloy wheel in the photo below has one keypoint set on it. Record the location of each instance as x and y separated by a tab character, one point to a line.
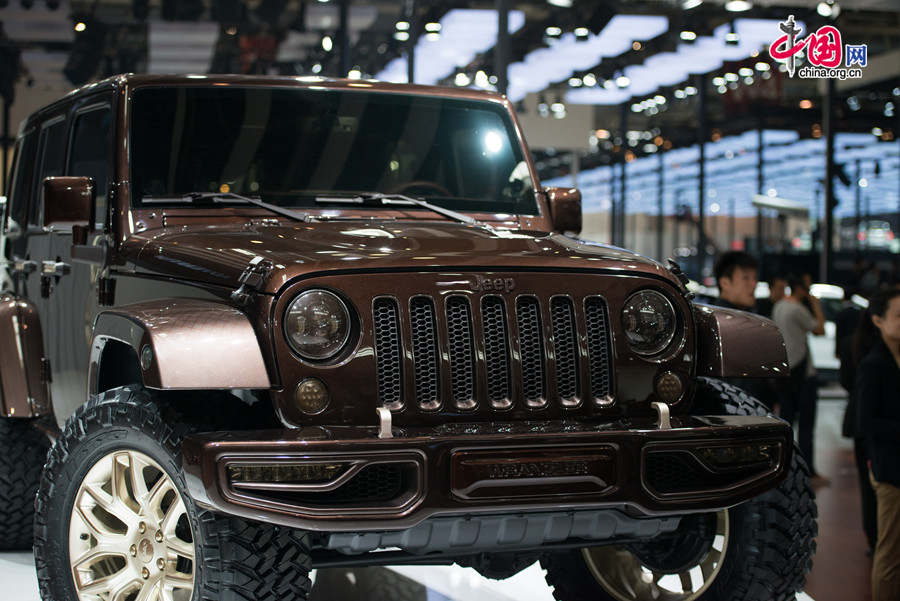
623	575
129	534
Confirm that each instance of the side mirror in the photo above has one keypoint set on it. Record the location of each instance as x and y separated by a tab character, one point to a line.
69	201
565	209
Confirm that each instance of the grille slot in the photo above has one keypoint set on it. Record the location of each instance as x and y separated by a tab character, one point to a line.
386	318
496	351
672	472
462	356
531	346
425	353
565	347
598	350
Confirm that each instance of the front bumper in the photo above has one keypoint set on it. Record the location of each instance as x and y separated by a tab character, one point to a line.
346	479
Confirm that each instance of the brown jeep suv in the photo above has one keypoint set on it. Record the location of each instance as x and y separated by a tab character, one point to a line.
265	325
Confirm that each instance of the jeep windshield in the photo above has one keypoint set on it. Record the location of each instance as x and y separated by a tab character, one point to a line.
297	147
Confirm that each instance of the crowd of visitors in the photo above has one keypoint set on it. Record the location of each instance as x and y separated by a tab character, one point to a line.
867	343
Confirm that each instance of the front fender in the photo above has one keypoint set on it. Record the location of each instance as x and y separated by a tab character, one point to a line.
184	344
738	344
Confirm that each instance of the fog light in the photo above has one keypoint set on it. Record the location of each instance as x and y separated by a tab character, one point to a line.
311	396
284	474
669	387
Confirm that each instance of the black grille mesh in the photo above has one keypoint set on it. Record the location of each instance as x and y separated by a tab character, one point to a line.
496	348
679	472
378	483
425	357
462	359
531	346
598	346
387	352
565	346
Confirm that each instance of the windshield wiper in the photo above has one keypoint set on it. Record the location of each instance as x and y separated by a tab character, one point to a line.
255	201
382	199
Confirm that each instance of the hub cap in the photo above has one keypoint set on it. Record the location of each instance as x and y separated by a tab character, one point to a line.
626	577
129	534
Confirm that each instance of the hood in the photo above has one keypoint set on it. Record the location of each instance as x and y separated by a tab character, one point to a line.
218	254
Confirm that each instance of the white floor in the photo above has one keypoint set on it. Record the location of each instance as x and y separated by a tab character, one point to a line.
455	583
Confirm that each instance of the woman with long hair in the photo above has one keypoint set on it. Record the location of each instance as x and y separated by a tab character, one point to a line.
877	342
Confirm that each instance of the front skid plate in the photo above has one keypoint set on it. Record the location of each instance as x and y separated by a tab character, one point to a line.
487	468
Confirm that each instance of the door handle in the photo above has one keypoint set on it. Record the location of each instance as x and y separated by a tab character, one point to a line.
57	268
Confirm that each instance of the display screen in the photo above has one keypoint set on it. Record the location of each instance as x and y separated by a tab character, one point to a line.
291	146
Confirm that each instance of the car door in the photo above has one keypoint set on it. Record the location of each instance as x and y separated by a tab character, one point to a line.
73	302
23	376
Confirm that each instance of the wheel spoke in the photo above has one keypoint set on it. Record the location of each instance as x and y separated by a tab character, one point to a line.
175	579
180	548
94	553
170	520
136	475
112	585
110	504
156	496
149	592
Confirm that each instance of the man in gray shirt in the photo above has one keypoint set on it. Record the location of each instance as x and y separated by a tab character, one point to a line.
799	401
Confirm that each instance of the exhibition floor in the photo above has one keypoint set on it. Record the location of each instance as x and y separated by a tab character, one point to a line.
840	573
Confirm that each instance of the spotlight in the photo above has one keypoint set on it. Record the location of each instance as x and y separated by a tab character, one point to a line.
581	34
481	79
327	43
432	27
688	36
552	33
561	3
738	6
828	9
401	36
355	73
462	80
590	80
732	38
575	82
80	26
623	81
689	4
543	107
761	66
402	25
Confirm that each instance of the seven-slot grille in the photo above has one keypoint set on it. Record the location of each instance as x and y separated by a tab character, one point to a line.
450	370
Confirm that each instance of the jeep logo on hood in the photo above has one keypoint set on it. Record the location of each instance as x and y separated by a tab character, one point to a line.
484	284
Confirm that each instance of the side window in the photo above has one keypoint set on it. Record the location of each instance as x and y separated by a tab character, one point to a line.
90	154
52	163
23	175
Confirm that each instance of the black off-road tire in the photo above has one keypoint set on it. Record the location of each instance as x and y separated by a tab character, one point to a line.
772	537
236	560
23	450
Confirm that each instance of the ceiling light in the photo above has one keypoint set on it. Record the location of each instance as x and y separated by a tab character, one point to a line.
829	9
689	4
432	36
327	43
553	32
609	84
761	66
636	108
806	103
732	38
623	81
589	80
575	82
402	25
690	90
462	79
748	81
731	77
582	33
354	73
722	89
401	36
679	94
738	6
718	81
561	3
481	79
80	26
317	68
876	131
745	72
659	99
432	27
688	36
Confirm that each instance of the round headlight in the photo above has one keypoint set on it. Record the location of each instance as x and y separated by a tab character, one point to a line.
317	324
649	321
